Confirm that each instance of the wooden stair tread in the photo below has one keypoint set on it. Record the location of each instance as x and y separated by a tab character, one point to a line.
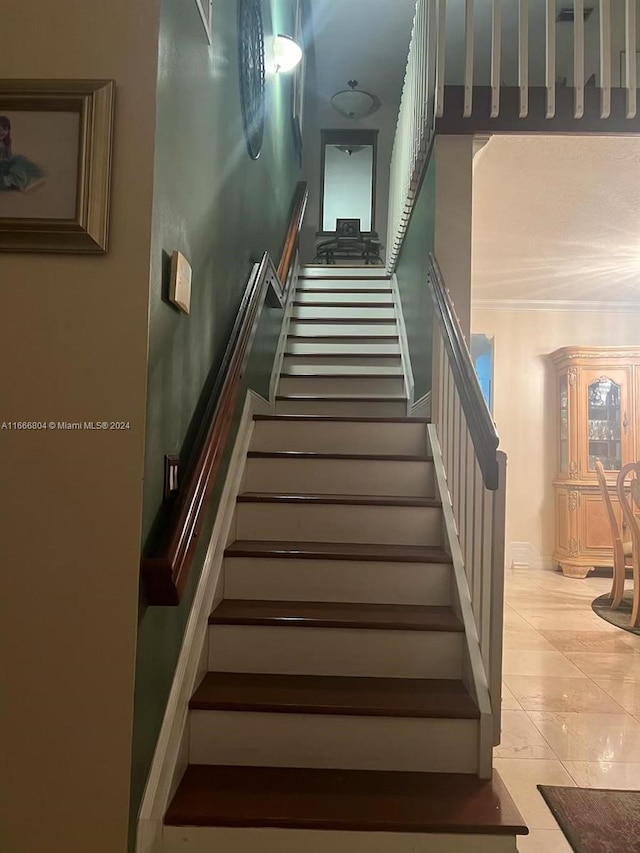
342	338
348	320
365	800
338	551
345	398
359	376
319	614
355	419
440	698
346	500
362	457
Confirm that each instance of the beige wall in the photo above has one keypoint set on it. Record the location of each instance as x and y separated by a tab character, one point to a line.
525	409
74	343
556	228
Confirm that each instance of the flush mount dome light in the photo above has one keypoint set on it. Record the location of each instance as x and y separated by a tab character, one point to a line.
354	104
288	53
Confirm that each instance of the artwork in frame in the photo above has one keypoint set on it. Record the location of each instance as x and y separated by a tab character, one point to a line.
55	165
205	9
348	228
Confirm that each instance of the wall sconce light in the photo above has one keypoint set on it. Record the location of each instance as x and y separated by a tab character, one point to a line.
288	53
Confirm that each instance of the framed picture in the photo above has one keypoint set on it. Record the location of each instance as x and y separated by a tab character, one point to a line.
205	8
348	228
55	165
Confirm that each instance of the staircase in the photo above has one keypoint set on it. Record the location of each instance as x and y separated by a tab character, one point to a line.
336	709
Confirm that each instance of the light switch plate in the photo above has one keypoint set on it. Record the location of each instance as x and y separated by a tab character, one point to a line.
180	283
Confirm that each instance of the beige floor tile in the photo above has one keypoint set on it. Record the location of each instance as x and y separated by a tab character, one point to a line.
544	841
526	638
535	662
509	701
521	775
590	737
571	620
592	641
620	667
513	620
536	693
626	693
520	738
603	774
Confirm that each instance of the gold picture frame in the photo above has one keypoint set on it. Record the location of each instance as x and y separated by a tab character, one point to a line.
56	139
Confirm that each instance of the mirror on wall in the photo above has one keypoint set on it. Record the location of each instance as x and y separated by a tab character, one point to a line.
348	178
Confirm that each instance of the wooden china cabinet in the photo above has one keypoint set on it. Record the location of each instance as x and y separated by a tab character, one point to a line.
597	393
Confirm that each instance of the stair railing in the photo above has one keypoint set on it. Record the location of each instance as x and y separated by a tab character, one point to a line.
165	570
415	126
476	479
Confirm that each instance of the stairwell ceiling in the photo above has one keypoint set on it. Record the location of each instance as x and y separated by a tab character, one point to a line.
365	40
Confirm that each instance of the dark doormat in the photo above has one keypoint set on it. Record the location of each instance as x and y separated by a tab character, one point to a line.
621	617
596	820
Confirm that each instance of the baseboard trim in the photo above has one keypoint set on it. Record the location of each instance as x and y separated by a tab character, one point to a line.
525	555
421	408
404	345
169	756
284	331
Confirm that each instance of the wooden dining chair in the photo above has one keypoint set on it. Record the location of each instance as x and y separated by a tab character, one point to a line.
627	498
621	550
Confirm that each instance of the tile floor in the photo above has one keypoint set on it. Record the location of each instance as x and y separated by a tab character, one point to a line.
571	698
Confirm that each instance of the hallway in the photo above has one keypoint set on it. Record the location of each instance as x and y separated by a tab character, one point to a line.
571	698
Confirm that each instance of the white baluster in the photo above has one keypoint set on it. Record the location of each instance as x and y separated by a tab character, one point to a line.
442	42
468	59
550	58
578	58
630	59
605	58
496	49
523	58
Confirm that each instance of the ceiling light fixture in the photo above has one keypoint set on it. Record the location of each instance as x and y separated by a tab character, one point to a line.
354	104
288	53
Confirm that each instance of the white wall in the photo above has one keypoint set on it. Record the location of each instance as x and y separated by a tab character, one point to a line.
347	186
555	262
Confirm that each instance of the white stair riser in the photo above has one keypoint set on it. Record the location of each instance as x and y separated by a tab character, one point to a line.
364	297
342	348
340	437
391	369
342	408
347	386
332	741
335	651
269	579
381	284
393	525
205	839
313	312
342	330
363	362
349	275
340	476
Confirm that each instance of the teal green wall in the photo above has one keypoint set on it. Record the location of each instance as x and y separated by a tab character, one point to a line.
411	273
222	210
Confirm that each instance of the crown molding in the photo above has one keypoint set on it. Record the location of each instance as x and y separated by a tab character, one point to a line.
556	305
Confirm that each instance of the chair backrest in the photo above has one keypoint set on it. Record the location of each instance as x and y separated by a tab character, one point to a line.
627	497
602	482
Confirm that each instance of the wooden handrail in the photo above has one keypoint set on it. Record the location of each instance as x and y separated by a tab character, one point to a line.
481	427
165	572
293	232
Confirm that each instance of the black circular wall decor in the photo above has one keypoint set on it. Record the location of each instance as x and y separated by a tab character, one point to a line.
252	73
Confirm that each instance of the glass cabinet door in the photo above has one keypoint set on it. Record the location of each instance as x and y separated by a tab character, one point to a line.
604	423
564	424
